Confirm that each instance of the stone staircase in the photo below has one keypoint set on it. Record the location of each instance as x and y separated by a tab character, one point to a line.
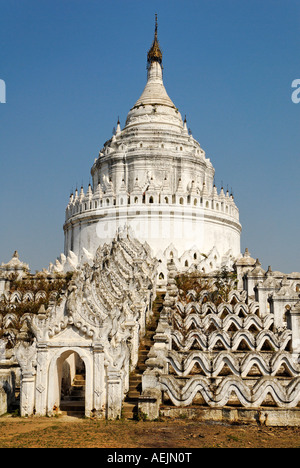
130	404
73	404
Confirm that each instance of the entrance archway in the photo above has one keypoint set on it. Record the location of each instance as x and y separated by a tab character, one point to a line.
64	365
71	382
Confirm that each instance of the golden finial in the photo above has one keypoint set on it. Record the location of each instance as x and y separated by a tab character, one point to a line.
154	54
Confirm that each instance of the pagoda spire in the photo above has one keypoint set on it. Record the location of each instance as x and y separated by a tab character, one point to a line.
155	53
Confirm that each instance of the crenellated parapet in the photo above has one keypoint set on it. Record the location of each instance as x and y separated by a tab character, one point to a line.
193	196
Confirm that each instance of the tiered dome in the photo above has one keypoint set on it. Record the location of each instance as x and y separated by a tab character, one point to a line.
155	145
155	103
154	176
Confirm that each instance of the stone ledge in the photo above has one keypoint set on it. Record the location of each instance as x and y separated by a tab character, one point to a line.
264	416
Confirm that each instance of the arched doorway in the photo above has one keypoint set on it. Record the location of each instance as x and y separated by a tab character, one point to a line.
67	378
71	382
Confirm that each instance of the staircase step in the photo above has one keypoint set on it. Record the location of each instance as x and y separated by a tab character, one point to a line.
73	398
72	407
136	378
134	394
129	409
146	343
135	389
72	410
78	382
136	381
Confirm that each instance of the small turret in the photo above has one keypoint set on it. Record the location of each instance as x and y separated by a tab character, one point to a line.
118	130
185	129
81	193
89	192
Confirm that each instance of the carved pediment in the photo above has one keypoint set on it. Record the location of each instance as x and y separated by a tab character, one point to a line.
70	336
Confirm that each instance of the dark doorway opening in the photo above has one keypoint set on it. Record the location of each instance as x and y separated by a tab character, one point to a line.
72	385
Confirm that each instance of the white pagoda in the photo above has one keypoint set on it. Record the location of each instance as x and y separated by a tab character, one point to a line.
153	177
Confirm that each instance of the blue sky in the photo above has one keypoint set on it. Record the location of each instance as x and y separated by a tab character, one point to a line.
71	67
